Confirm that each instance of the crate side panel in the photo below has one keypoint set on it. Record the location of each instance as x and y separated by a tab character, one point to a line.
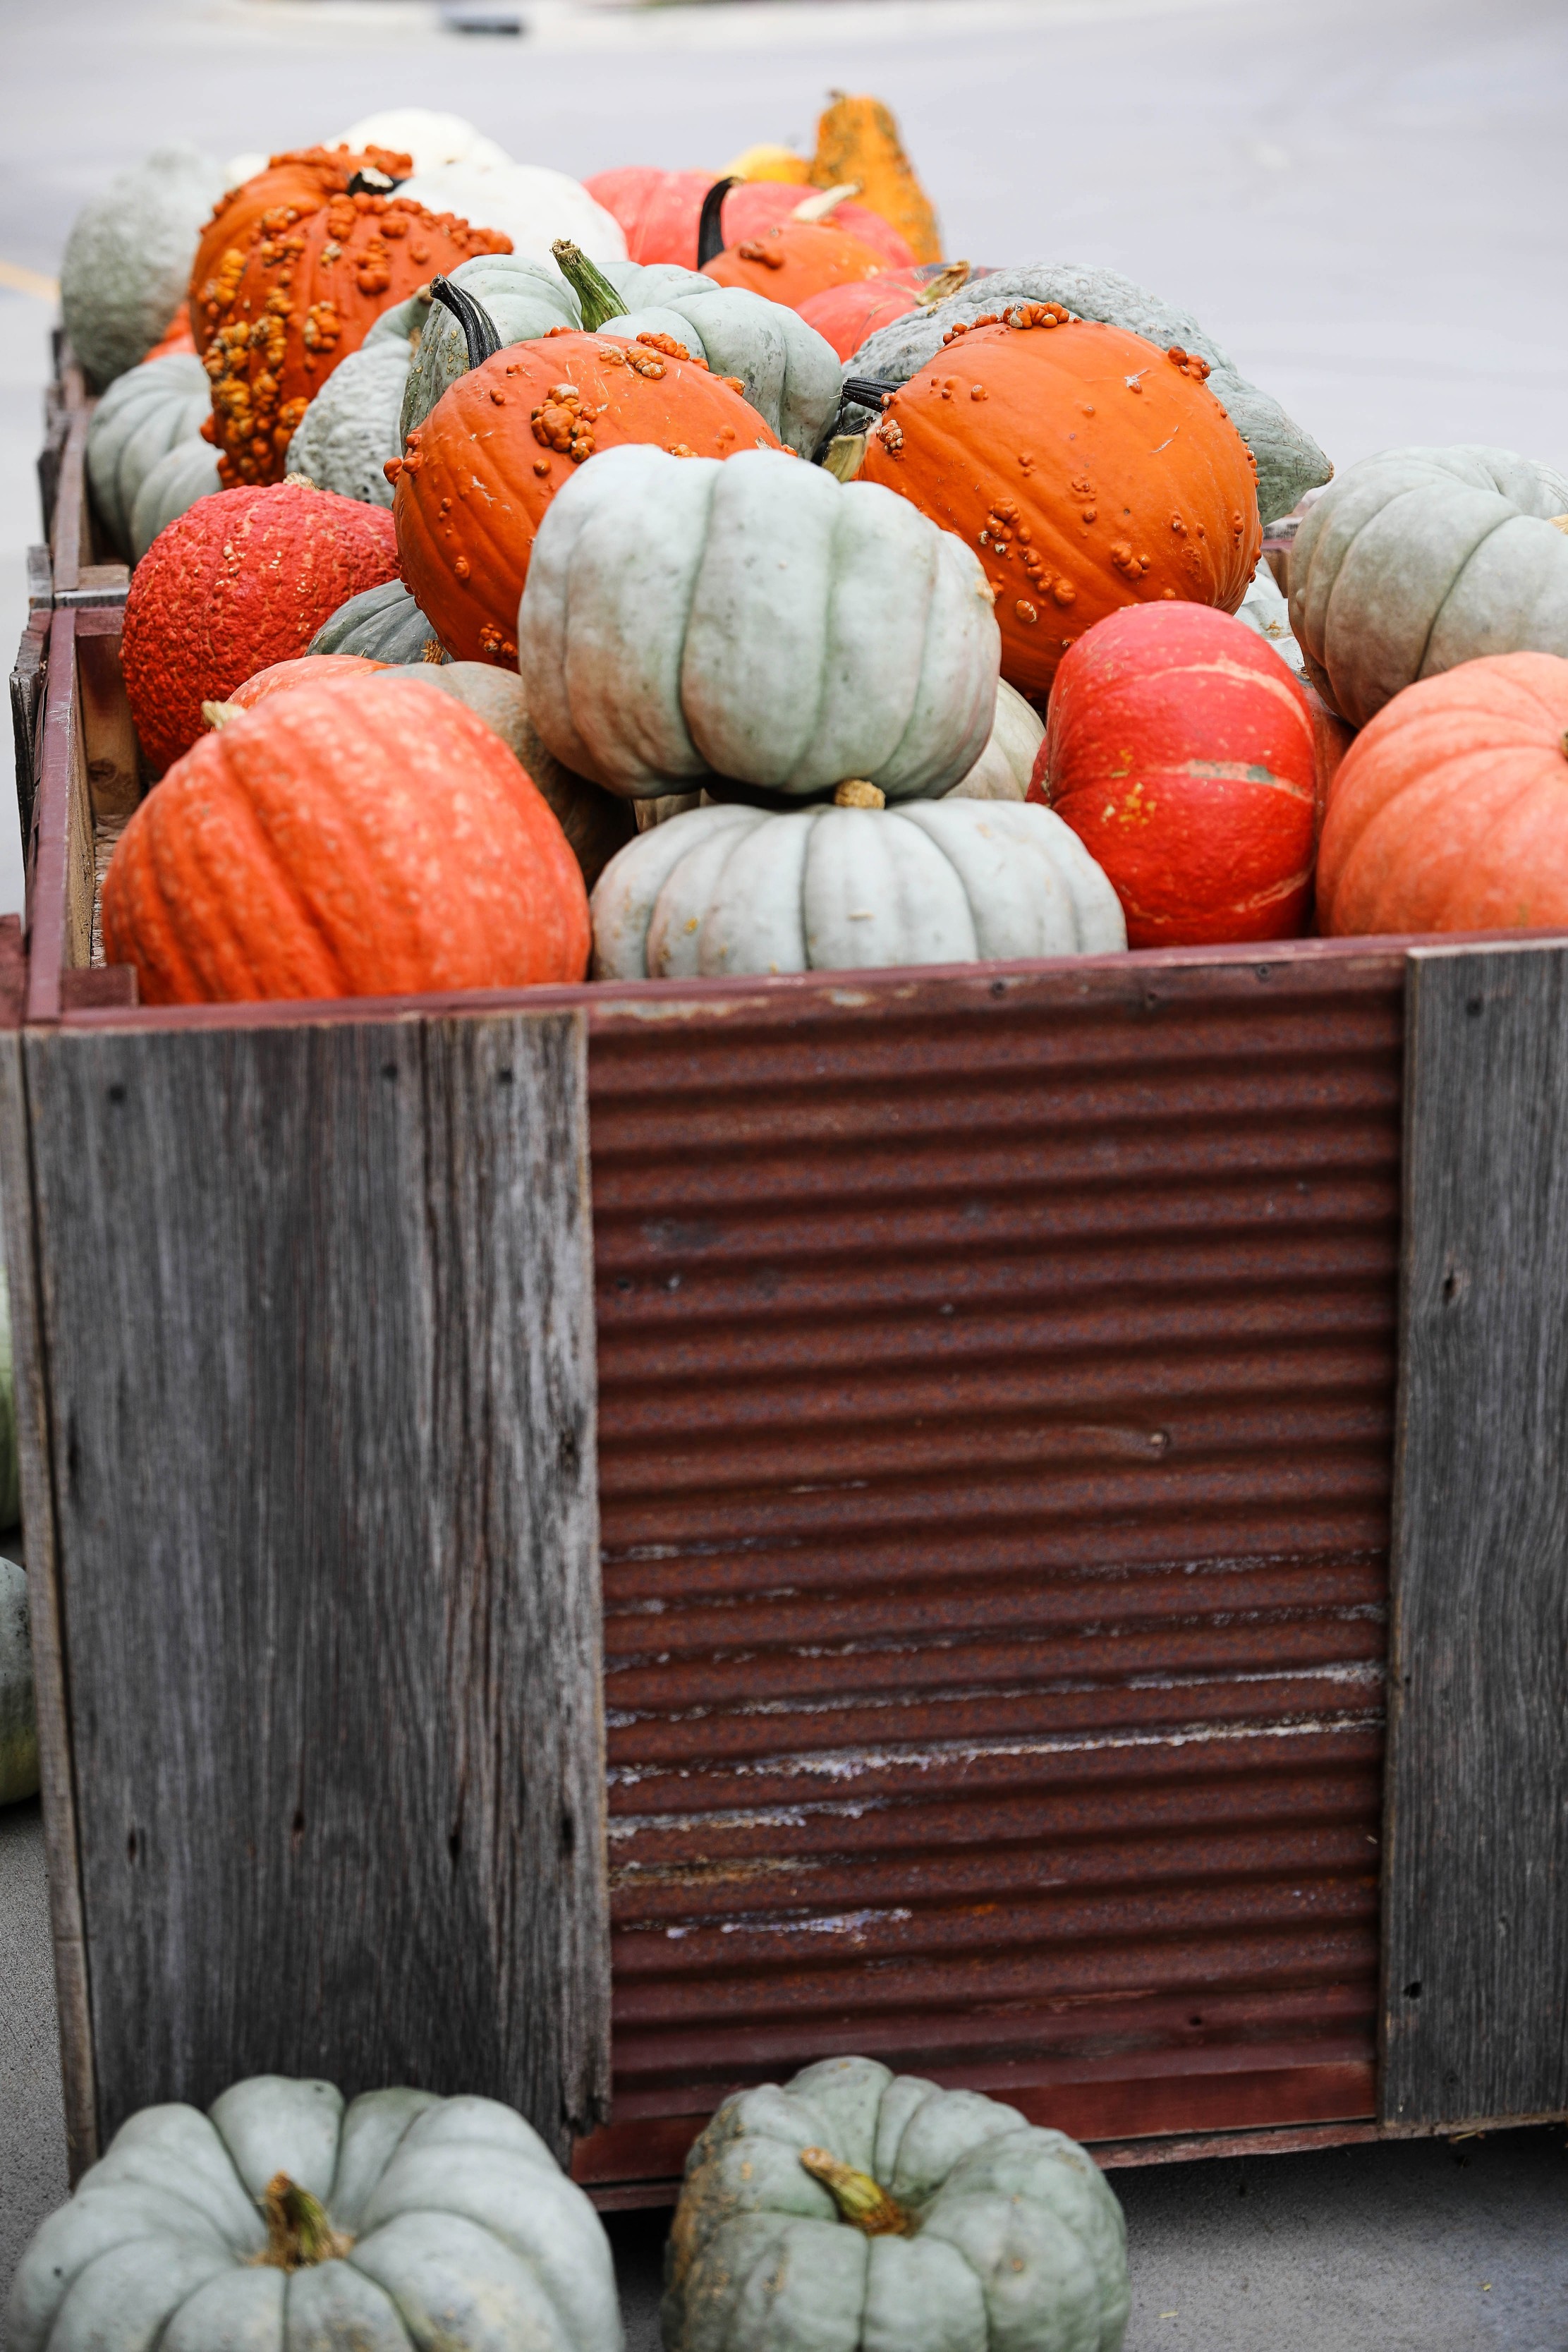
996	1411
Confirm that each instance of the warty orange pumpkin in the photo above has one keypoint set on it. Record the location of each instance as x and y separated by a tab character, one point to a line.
366	837
477	476
1450	812
795	259
1090	470
304	178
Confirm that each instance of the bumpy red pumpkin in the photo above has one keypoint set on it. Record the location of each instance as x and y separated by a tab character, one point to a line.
794	260
661	213
244	578
1088	470
477	475
367	837
1181	751
303	180
312	288
1450	812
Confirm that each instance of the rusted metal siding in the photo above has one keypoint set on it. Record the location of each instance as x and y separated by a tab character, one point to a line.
996	1384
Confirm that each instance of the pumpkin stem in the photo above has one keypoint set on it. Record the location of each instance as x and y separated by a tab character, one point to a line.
823	200
858	392
858	791
217	715
950	279
846	456
860	2200
298	2231
710	227
479	330
597	299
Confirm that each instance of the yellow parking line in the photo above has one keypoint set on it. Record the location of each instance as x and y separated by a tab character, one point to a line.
29	281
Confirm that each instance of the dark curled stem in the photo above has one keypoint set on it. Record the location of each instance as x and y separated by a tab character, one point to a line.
859	391
478	327
710	227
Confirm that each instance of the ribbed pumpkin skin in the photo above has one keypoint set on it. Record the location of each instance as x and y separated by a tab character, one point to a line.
303	179
794	260
244	578
1091	471
1450	812
367	837
660	213
466	555
289	676
1181	751
311	289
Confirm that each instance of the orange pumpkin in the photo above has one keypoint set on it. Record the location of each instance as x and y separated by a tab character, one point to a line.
1450	812
312	288
477	475
794	260
304	179
1088	470
365	837
303	669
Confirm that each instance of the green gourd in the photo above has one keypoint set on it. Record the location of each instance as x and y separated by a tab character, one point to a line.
281	2220
128	258
145	413
858	2211
384	624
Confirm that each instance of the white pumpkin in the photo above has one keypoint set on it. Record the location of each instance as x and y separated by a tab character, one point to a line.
188	472
530	204
144	413
1003	769
278	2219
430	139
128	258
1418	560
753	620
1264	609
728	889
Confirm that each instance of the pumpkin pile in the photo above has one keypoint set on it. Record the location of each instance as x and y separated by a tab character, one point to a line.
708	542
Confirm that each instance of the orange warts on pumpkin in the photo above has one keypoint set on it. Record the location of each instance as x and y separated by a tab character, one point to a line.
1026	611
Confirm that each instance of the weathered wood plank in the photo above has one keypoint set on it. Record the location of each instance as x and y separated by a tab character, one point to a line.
1476	1860
328	1552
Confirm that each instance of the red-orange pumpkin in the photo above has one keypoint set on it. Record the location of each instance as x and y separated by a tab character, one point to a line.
245	578
661	213
477	475
366	837
1181	751
1088	470
312	288
301	669
845	315
1450	812
794	260
303	179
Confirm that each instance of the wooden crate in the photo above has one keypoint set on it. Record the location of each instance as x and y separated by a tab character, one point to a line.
1078	1452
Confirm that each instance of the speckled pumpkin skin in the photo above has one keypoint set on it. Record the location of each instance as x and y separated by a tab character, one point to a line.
795	259
310	288
365	837
243	578
519	427
304	178
1088	470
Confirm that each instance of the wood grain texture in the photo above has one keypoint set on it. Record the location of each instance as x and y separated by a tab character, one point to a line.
327	1551
1475	1850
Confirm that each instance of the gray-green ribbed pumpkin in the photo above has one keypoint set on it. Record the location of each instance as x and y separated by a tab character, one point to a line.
1418	560
787	371
278	2221
351	427
128	257
1003	769
384	624
144	413
188	472
1289	460
858	2211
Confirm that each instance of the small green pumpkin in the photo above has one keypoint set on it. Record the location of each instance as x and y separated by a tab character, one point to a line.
279	2219
128	258
145	413
188	472
351	428
855	2210
383	624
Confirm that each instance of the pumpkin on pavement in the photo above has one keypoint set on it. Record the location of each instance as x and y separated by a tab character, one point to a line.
1181	751
282	2218
363	837
755	622
243	578
1088	470
123	274
144	413
299	182
383	622
477	476
1418	560
860	2209
852	886
1450	812
312	288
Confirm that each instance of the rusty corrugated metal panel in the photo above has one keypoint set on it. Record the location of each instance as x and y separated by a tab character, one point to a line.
996	1386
